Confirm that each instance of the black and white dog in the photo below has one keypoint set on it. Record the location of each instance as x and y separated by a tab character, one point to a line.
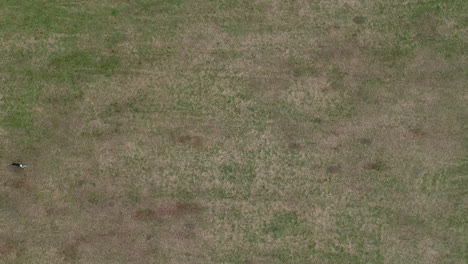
19	165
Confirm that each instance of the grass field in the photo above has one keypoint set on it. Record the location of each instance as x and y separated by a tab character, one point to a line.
234	131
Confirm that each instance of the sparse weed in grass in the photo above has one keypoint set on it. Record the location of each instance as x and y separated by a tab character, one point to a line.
283	223
238	174
359	19
114	12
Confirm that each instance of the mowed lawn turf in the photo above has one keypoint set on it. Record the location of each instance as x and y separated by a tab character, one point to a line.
233	131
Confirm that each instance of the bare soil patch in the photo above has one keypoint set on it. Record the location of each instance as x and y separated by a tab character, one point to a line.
190	140
8	248
167	210
178	208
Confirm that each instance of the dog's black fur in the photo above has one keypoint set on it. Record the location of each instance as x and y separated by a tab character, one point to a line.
17	164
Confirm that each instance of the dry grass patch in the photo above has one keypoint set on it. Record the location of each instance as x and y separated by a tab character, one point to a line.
167	210
8	248
21	183
233	132
190	140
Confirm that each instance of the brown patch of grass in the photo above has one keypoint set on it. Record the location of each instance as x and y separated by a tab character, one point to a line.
334	169
8	248
376	165
55	211
178	209
190	140
170	209
82	246
293	133
365	141
19	183
70	252
417	133
294	146
145	215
